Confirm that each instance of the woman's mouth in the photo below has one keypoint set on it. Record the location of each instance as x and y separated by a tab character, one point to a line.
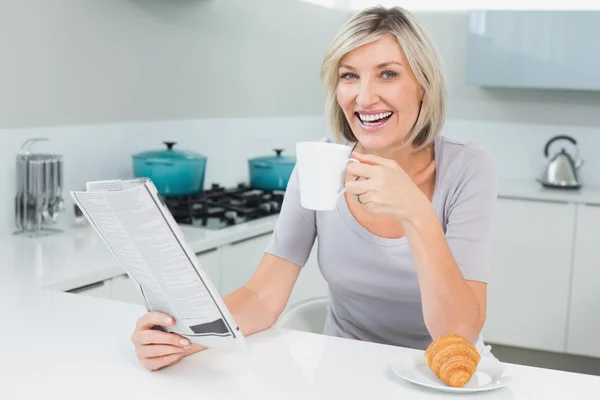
372	122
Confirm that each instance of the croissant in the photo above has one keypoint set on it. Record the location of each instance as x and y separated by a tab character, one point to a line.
453	359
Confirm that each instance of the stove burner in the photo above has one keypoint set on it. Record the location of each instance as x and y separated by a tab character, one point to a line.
220	207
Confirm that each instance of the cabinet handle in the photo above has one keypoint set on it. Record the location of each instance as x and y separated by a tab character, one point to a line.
251	238
592	204
206	251
86	287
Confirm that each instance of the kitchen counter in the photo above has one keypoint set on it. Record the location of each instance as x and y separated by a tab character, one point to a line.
532	190
77	256
66	346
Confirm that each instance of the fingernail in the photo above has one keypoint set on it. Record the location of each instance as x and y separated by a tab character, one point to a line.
184	342
169	320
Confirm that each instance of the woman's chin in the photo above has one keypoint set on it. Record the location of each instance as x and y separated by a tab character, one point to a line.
374	142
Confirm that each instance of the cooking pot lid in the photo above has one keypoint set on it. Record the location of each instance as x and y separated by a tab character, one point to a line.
170	154
276	159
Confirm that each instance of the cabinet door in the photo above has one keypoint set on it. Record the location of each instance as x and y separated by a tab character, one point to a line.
125	289
100	289
239	261
211	263
584	315
528	294
310	282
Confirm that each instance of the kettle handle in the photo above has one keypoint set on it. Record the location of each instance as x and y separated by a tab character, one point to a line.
554	139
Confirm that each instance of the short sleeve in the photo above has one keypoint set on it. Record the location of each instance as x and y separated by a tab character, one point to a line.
469	214
295	231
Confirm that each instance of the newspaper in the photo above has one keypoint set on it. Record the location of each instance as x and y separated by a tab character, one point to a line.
138	228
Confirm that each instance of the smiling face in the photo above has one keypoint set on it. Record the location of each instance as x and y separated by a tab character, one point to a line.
379	94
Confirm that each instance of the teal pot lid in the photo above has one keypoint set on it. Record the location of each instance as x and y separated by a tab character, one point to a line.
277	159
170	154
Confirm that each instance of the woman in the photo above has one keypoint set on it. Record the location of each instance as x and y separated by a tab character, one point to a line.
406	253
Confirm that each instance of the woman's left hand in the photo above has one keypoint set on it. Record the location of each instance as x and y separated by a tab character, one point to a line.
385	188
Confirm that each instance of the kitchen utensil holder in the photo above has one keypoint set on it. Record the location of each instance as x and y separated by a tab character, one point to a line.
38	198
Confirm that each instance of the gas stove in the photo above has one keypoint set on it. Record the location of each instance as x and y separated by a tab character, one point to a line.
220	207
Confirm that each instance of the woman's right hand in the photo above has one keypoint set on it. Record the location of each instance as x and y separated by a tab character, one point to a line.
156	349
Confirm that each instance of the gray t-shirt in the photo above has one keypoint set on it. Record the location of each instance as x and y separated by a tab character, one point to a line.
373	287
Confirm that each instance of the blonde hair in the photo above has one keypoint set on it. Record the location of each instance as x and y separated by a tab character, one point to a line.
368	26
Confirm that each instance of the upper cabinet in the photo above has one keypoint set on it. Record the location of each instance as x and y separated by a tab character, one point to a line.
534	49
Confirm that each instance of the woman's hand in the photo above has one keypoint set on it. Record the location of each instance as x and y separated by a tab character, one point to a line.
156	349
385	188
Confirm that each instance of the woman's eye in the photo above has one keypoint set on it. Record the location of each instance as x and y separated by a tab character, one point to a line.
348	75
389	74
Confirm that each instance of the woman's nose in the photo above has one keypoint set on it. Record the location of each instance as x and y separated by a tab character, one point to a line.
367	95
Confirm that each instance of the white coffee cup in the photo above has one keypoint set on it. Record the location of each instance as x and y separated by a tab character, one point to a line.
321	170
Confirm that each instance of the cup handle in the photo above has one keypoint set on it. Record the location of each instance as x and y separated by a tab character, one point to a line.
344	189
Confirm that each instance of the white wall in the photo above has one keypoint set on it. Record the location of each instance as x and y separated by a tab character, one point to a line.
518	148
105	61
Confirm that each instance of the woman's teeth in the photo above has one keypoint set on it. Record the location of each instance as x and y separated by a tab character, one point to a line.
374	119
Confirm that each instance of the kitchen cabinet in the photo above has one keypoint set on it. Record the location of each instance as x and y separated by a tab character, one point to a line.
528	294
533	49
210	261
310	282
239	261
584	315
125	289
102	289
119	288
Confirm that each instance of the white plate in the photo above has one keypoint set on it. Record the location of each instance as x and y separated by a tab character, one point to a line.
490	374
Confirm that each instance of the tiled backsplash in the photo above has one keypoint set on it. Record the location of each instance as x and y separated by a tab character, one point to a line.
104	151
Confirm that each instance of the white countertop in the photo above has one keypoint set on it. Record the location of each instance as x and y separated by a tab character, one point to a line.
532	190
67	346
78	257
71	346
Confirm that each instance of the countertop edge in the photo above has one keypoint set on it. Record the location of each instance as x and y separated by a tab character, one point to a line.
528	190
197	245
203	240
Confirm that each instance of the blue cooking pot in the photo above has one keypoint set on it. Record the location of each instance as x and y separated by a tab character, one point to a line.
271	172
173	172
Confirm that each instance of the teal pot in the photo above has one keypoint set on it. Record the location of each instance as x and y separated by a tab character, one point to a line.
173	172
271	172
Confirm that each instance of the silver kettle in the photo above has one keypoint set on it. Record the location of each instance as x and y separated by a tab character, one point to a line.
561	170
